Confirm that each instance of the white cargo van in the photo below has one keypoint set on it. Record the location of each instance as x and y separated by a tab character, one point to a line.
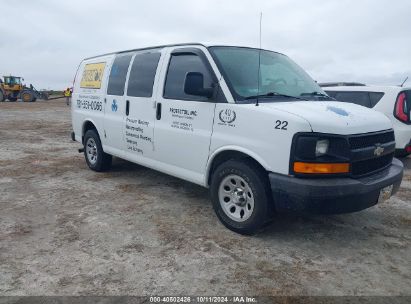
249	124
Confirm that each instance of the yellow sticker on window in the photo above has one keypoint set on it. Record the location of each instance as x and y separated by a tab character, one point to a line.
92	75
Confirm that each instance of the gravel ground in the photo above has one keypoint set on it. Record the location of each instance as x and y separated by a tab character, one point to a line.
66	230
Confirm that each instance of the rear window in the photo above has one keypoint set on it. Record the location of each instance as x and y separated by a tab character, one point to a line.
375	97
366	99
143	71
118	75
360	98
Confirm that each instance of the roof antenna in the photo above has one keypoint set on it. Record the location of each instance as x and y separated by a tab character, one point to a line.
402	84
259	63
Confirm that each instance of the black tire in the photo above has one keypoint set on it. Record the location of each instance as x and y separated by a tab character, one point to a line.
257	181
2	97
27	96
102	160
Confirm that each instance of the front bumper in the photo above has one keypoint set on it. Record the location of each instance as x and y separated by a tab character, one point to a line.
332	195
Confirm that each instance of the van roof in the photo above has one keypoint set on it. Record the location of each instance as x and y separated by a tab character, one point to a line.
175	44
146	48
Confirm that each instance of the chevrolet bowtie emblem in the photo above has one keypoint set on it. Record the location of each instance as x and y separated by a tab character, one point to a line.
378	151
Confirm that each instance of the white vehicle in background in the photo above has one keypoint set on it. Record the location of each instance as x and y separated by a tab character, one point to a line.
393	101
249	124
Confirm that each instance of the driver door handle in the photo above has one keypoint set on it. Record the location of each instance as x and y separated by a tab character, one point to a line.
127	107
158	111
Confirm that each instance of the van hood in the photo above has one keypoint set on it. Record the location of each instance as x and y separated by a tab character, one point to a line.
335	117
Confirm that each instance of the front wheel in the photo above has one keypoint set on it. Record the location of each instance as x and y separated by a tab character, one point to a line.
96	158
27	96
240	196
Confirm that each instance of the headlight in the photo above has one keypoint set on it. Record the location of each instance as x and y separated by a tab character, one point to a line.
316	153
321	147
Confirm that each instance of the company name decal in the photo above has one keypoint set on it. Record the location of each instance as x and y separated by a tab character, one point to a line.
183	112
92	75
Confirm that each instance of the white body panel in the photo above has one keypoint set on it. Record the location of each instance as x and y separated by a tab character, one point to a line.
386	106
253	133
89	104
190	134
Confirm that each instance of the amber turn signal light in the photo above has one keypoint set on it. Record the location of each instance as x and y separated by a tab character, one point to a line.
321	168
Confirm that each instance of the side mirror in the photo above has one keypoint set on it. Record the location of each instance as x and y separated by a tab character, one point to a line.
194	85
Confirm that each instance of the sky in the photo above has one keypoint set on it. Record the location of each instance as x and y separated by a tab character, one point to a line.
336	40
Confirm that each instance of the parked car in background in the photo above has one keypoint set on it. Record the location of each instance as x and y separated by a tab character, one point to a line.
393	101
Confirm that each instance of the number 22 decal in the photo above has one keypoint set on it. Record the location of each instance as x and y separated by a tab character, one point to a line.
281	125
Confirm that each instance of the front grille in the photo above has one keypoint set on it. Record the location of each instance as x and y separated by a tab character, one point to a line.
370	165
363	159
363	141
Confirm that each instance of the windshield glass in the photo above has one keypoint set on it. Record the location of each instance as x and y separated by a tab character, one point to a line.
12	80
278	74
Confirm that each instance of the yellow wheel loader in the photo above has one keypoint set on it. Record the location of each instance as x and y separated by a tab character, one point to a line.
12	89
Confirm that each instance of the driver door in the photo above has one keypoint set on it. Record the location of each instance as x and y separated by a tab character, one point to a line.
184	123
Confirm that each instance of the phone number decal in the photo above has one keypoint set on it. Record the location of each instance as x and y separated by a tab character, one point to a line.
93	105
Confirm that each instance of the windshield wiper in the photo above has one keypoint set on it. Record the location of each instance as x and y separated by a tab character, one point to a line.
273	94
319	94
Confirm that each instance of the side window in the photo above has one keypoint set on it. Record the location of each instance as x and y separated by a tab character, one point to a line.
375	97
360	98
178	68
143	71
118	74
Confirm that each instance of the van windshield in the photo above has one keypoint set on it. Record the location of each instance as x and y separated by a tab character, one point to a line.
280	78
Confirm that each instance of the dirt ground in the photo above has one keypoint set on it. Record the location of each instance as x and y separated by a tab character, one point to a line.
66	230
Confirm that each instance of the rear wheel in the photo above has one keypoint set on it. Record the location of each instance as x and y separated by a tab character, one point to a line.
2	97
240	196
96	158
